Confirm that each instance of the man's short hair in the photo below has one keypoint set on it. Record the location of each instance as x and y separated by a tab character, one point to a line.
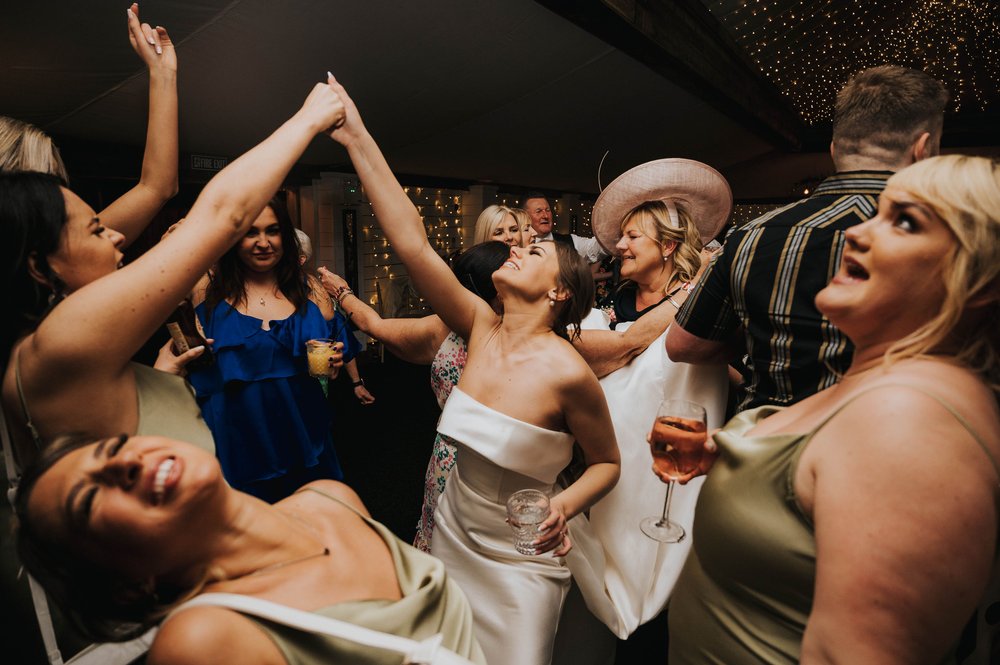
888	108
534	195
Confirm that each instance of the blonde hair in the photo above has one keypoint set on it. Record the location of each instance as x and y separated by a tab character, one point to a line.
488	220
305	244
964	192
523	223
653	217
24	147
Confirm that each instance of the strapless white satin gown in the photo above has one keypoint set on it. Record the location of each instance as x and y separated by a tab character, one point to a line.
516	599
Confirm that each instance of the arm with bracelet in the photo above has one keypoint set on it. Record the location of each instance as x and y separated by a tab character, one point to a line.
413	340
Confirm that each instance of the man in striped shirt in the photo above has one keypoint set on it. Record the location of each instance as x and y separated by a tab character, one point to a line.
756	299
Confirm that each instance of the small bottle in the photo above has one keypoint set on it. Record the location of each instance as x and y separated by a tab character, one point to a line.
186	334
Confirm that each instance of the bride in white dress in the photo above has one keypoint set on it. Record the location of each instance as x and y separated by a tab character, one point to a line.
518	365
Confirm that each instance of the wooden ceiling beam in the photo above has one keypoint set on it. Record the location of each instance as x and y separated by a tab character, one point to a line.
684	43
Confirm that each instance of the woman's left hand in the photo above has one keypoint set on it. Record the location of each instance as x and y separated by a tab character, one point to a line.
363	395
152	45
336	359
172	363
554	531
331	281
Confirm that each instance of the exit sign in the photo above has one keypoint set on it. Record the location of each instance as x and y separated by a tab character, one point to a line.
208	163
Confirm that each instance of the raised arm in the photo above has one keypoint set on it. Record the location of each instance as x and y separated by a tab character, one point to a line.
98	328
401	223
413	340
132	212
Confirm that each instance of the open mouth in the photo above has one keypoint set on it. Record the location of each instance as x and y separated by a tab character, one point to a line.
511	264
160	480
854	270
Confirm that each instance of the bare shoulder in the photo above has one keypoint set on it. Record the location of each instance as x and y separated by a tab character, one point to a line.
210	635
571	375
335	489
569	365
927	391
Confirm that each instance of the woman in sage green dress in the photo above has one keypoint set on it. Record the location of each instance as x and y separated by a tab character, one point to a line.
122	530
860	524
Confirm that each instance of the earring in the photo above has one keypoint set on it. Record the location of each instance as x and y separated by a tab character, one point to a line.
665	257
552	303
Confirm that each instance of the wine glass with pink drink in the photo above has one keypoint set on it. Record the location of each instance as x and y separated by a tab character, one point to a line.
677	442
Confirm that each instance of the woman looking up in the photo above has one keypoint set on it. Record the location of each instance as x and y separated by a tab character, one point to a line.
427	341
78	319
523	398
860	524
270	419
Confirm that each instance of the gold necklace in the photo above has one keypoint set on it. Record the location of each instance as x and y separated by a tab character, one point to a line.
260	298
282	564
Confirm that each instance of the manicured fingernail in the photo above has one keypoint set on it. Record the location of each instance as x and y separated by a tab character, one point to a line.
329	74
159	51
129	12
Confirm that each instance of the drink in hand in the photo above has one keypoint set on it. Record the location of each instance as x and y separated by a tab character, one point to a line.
526	509
318	353
186	334
677	445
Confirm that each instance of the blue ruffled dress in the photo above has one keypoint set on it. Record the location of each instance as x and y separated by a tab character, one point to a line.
270	419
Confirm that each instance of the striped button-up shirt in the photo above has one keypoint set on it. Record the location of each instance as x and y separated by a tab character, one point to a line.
766	279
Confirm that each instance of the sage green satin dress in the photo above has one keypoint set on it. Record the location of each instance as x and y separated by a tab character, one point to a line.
431	604
746	590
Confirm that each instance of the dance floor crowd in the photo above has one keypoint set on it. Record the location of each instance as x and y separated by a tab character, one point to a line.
775	442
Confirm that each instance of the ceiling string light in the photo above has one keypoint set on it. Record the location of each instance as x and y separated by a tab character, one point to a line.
810	48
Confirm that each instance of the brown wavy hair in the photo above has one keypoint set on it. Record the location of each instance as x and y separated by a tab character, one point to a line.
575	277
228	279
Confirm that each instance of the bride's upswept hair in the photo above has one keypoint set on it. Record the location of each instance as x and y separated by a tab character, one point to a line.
575	277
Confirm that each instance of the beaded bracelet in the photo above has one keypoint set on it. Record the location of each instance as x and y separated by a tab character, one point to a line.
342	293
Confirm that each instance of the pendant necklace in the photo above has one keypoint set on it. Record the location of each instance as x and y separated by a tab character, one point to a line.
282	564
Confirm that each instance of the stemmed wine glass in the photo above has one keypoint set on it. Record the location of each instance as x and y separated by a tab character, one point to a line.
677	442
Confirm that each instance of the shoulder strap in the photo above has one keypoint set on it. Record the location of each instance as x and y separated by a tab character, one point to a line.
425	652
333	498
35	437
948	407
38	597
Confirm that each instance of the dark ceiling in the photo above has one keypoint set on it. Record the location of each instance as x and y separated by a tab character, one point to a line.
513	92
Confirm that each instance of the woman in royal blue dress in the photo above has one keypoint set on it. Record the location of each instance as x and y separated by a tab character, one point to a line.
270	419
